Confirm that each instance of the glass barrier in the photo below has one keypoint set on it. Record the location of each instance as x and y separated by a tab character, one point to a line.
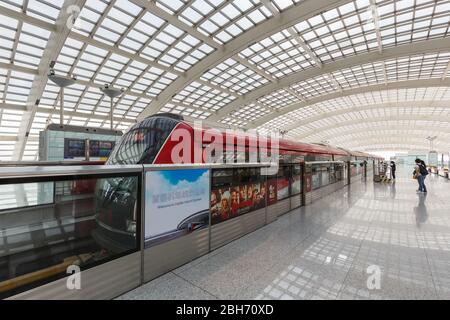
326	174
325	178
333	173
65	223
316	177
296	183
25	195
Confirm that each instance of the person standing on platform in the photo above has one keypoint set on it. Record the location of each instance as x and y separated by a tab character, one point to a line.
421	173
393	169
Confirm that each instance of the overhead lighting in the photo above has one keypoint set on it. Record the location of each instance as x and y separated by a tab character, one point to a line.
112	93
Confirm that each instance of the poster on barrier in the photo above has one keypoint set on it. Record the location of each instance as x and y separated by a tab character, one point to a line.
176	204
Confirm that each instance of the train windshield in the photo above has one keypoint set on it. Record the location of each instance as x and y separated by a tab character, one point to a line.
139	146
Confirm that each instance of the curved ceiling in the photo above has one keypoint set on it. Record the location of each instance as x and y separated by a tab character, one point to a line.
342	71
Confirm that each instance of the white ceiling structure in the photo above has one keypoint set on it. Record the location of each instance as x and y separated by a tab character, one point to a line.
369	75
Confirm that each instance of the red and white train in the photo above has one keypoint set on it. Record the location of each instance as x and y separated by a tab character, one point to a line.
151	142
303	168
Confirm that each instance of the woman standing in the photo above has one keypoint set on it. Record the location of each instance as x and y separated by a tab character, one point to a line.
421	173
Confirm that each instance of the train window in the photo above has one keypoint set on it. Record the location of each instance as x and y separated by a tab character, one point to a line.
142	144
283	182
296	182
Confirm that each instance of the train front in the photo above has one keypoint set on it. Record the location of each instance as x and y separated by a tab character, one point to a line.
117	198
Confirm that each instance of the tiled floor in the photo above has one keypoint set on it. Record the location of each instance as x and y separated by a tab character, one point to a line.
323	251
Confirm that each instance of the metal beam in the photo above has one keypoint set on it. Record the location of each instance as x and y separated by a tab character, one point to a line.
54	45
385	77
8	138
151	6
397	148
92	84
371	141
383	135
304	46
435	45
287	18
14	67
124	53
377	130
410	84
376	22
114	49
11	106
446	71
425	104
254	68
381	120
405	145
271	8
19	15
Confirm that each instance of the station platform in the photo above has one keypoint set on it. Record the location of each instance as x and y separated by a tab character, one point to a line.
323	250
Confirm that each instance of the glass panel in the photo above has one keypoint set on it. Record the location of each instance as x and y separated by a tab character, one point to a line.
296	184
339	172
332	173
143	142
25	195
83	223
315	177
284	177
325	179
354	169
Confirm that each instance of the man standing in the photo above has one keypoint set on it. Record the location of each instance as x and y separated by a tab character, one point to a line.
393	169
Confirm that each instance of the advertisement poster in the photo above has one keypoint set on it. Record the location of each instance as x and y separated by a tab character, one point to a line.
272	191
222	207
252	197
176	203
308	186
230	202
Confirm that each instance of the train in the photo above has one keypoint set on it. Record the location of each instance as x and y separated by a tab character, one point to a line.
152	141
